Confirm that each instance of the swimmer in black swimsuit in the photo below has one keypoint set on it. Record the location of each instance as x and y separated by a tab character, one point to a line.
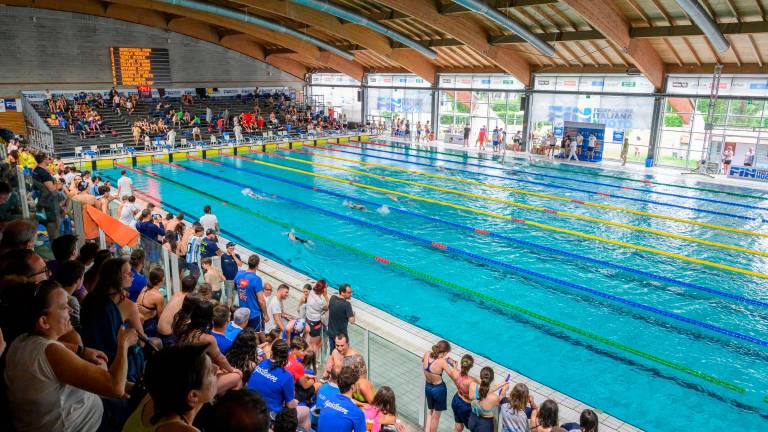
292	236
355	206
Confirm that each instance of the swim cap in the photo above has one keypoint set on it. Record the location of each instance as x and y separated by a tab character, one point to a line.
299	326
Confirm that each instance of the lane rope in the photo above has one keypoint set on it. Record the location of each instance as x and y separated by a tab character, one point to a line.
510	218
533	182
583	181
445	248
510	239
530	207
536	194
465	153
477	295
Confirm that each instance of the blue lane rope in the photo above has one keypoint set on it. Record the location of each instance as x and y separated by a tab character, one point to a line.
579	180
550	185
510	239
440	246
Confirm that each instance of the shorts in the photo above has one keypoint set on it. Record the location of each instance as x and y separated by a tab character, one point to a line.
480	424
167	340
461	410
315	328
256	324
437	396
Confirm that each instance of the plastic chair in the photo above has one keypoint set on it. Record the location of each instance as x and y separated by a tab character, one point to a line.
112	149
79	151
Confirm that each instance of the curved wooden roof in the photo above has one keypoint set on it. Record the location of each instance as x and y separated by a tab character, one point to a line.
654	36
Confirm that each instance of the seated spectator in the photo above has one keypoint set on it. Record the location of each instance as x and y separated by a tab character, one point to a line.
544	418
70	277
165	324
344	355
340	413
244	353
238	323
64	248
139	280
180	380
18	234
307	385
236	411
205	291
23	265
286	421
10	205
105	310
382	412
193	325
276	385
42	375
151	301
513	416
92	274
588	421
220	321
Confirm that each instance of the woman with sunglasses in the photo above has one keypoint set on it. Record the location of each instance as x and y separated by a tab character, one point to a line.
43	376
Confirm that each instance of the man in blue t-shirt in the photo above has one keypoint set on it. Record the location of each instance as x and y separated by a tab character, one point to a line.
220	321
250	293
230	262
340	414
208	245
324	394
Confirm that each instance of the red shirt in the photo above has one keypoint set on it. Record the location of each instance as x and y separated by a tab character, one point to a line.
260	122
295	367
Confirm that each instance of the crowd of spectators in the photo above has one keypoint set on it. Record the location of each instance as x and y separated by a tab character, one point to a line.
80	115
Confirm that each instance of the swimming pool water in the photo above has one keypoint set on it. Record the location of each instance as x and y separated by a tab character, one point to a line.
727	339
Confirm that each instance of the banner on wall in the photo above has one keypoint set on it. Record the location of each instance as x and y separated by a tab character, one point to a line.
10	104
614	112
586	130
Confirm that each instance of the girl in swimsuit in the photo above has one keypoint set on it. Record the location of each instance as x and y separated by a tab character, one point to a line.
461	402
485	399
150	302
434	363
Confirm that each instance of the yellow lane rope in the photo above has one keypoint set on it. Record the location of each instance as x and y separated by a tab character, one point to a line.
535	208
547	196
513	219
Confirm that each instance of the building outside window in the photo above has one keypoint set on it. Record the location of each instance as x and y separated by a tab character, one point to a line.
739	120
392	97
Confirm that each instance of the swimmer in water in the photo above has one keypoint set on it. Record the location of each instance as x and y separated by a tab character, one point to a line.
292	236
440	166
249	193
355	206
393	197
383	210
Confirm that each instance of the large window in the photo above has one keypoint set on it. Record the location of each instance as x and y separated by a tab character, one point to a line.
739	120
393	97
339	92
480	100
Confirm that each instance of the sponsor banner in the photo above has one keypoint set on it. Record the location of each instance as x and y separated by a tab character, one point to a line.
751	173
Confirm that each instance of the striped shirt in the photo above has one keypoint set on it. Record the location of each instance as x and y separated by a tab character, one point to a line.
193	250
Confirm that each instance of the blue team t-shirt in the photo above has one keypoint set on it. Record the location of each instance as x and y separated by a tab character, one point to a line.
138	284
248	285
208	248
275	386
222	341
340	414
324	393
229	266
232	331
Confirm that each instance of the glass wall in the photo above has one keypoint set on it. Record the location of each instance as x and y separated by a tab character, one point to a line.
392	97
739	120
479	100
623	116
339	92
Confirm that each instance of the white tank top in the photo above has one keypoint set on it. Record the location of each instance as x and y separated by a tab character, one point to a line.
38	400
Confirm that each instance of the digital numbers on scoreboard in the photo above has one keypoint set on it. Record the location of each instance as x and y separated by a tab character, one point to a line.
140	66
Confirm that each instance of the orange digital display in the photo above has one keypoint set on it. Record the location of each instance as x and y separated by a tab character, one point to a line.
140	66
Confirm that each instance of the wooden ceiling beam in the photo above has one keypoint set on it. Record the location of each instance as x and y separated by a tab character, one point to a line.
500	5
469	32
755	51
604	16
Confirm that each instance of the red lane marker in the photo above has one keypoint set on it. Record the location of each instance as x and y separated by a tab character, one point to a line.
168	163
439	245
646	181
381	260
479	231
603	194
203	160
275	155
314	188
577	201
625	187
517	220
550	211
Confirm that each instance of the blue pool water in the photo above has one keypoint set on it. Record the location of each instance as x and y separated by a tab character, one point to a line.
714	322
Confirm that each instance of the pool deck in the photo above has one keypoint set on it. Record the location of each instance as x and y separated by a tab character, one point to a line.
674	173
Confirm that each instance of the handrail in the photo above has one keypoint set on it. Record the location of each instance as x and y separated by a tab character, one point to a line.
39	135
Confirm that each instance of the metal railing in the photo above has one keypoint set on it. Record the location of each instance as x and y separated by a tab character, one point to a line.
39	135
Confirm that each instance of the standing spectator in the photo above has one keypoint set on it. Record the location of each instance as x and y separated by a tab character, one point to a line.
129	211
230	262
340	313
434	363
591	145
208	115
171	138
727	158
209	221
251	294
164	325
193	252
220	323
624	151
461	401
124	185
485	399
238	323
238	133
213	277
209	246
277	317
340	413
